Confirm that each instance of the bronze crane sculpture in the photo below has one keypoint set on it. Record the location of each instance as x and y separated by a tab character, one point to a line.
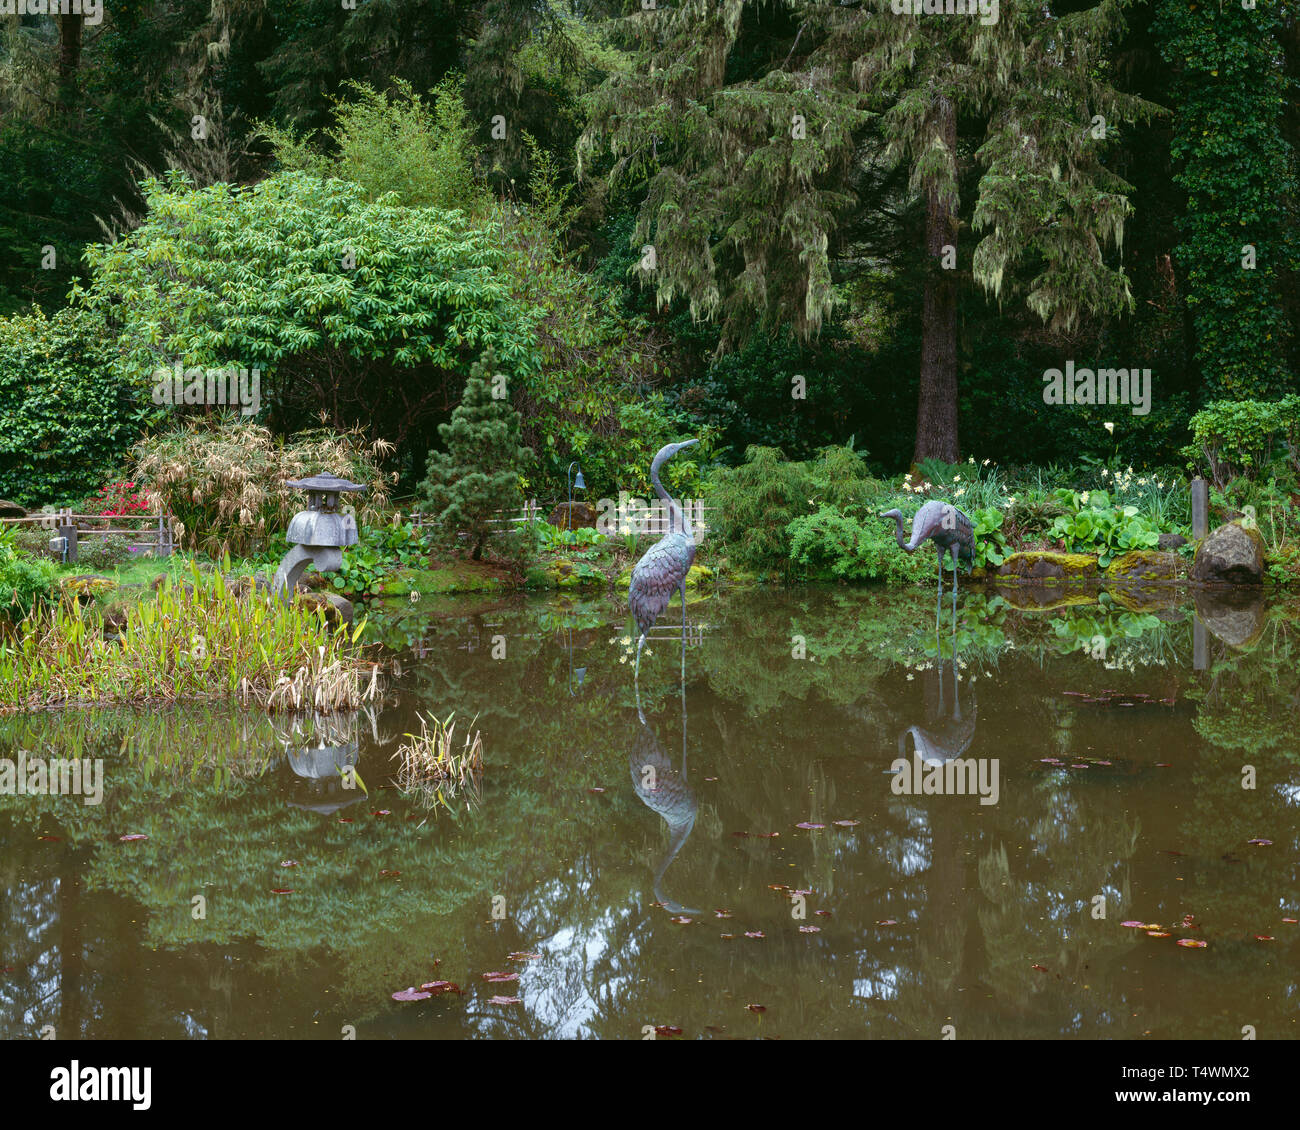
663	568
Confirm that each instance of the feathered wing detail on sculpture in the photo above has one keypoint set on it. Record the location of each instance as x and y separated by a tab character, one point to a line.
949	529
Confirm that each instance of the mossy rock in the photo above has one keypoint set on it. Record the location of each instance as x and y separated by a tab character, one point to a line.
1231	554
1033	598
1050	568
1145	565
698	575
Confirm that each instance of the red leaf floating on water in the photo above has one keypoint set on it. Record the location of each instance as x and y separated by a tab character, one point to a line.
281	890
1290	921
411	995
505	1000
710	778
1263	937
1158	934
345	819
130	836
1132	924
49	837
727	937
887	922
436	987
596	790
755	934
822	913
1260	843
1192	943
1078	765
500	977
681	920
1040	968
525	957
777	887
800	891
1164	764
756	1007
386	871
846	823
810	929
806	824
1104	763
381	812
288	863
667	1030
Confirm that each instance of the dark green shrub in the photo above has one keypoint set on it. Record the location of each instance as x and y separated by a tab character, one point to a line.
829	543
66	419
1234	438
755	504
479	474
24	581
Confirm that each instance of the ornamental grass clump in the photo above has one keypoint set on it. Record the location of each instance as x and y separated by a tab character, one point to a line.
226	480
201	640
433	770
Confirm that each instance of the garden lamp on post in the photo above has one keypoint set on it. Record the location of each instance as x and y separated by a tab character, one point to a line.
319	534
574	484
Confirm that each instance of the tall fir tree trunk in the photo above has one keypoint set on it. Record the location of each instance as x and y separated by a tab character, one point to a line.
69	61
936	408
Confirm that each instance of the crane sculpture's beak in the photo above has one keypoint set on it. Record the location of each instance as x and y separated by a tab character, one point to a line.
687	443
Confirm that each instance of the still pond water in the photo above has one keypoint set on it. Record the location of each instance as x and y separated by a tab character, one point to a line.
774	863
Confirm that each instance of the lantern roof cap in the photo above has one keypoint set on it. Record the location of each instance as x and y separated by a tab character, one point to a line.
326	482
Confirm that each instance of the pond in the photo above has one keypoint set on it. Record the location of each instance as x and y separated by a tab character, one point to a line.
1120	861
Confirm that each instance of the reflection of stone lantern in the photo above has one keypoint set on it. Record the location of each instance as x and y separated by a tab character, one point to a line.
323	750
318	534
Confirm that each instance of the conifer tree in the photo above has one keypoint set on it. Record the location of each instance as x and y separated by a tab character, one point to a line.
478	473
750	169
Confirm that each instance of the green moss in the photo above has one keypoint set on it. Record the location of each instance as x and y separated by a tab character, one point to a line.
698	575
1049	568
457	576
1146	565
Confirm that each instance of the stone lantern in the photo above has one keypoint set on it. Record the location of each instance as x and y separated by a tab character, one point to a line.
318	534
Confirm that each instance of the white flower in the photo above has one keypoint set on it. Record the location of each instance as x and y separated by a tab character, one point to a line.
1161	485
987	462
956	478
1109	427
1130	469
910	676
972	460
1104	472
1083	498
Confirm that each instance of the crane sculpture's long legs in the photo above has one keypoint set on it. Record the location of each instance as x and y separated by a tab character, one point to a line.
938	602
683	637
636	678
954	591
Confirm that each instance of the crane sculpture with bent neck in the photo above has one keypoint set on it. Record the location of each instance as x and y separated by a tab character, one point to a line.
949	529
663	568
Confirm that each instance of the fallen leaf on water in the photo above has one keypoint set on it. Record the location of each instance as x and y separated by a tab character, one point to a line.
777	887
435	987
49	837
1133	924
411	995
727	937
1192	943
710	778
806	824
505	1000
682	920
846	823
756	1007
500	977
132	836
810	929
755	934
766	835
1263	937
1157	933
1079	765
822	913
1040	968
1104	763
667	1030
1290	921
281	890
345	819
1260	843
381	812
1164	764
524	957
386	871
288	863
596	790
800	891
722	914
887	922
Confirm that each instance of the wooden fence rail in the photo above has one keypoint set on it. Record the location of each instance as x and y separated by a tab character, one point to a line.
645	521
154	532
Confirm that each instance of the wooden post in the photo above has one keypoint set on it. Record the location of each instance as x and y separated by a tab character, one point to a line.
70	549
1200	644
1200	508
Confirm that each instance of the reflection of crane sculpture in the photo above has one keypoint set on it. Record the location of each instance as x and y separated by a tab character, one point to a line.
949	529
666	792
664	567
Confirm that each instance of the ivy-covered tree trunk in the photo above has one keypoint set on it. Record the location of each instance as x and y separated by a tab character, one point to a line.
936	404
